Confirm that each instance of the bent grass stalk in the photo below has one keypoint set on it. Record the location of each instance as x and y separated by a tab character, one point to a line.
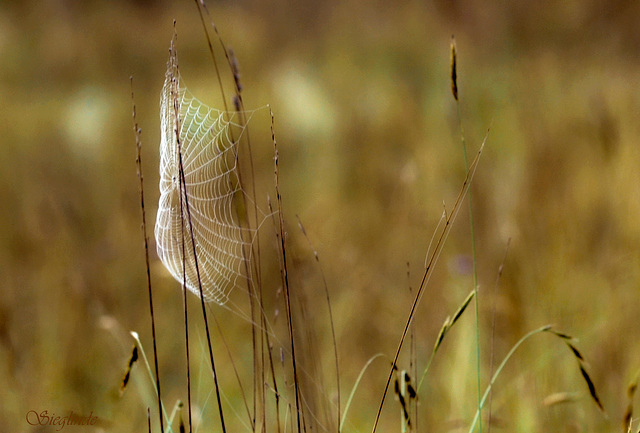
428	272
355	387
163	411
499	370
576	353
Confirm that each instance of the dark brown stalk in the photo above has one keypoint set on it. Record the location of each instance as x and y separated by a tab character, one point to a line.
138	133
273	379
202	301
176	106
183	193
269	346
285	276
238	101
259	377
200	5
184	290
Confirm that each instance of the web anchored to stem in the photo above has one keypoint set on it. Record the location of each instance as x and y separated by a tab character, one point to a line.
208	140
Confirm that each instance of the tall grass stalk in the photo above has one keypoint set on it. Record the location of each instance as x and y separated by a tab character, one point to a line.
454	89
184	196
261	340
182	187
252	267
427	274
285	274
184	282
138	133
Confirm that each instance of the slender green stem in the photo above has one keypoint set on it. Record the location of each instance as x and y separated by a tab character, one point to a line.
475	261
355	386
153	381
426	369
454	91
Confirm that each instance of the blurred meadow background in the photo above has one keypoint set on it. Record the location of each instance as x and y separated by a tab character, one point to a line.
370	148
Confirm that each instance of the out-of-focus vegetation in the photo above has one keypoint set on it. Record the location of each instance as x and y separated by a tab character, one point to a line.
369	149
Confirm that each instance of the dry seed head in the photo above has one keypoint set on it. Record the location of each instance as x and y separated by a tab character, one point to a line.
558	398
633	386
454	72
592	388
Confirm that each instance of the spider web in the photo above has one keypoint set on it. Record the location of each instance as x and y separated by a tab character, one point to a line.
209	140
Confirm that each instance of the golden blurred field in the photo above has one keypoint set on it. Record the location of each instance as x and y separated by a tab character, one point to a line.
370	148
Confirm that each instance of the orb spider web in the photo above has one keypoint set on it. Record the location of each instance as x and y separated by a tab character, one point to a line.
207	140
